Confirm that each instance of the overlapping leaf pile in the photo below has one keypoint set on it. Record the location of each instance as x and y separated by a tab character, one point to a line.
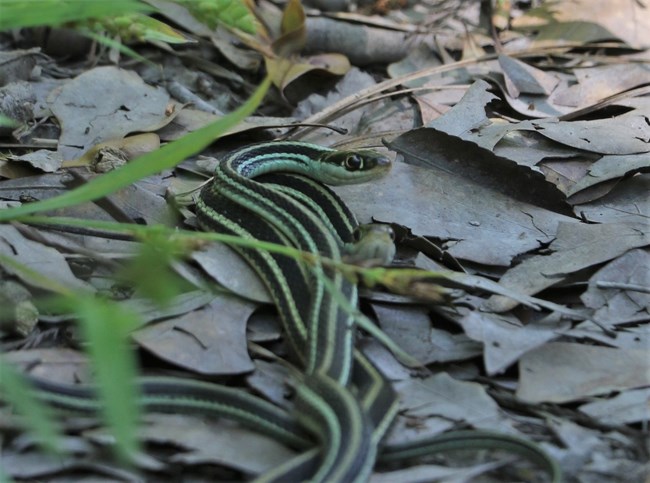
525	162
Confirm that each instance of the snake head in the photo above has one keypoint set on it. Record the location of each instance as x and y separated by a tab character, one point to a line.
351	167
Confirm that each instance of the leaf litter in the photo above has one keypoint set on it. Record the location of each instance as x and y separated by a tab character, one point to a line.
492	166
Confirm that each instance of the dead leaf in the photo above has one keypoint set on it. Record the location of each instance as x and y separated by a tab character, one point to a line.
601	81
612	167
210	340
625	134
522	78
445	396
105	103
383	358
628	19
428	147
137	202
417	59
410	328
517	141
535	105
42	260
285	72
292	29
216	442
221	262
581	442
17	65
189	119
505	339
353	81
618	303
469	115
131	147
577	246
627	202
567	33
42	159
32	464
565	173
562	372
635	337
270	380
66	366
149	311
629	407
480	224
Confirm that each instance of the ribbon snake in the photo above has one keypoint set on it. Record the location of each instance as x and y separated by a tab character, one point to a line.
343	406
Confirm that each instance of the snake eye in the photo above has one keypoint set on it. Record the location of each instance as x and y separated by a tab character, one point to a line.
353	162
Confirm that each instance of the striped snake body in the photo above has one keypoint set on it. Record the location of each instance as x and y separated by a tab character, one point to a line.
310	217
343	404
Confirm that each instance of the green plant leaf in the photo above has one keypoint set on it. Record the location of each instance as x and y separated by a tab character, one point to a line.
136	27
165	158
160	31
293	17
232	13
8	122
294	33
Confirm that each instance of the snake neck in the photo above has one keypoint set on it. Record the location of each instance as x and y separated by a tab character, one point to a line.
329	325
257	160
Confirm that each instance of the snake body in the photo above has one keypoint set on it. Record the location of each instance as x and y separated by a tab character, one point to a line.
311	218
343	406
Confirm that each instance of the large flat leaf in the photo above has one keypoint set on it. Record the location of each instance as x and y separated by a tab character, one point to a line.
410	328
45	262
618	291
481	224
211	340
562	372
505	339
428	147
105	103
625	408
215	442
577	246
612	167
626	134
627	202
445	396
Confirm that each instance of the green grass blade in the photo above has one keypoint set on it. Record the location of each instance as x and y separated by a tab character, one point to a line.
4	478
31	13
37	417
143	231
32	276
165	158
105	327
114	44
